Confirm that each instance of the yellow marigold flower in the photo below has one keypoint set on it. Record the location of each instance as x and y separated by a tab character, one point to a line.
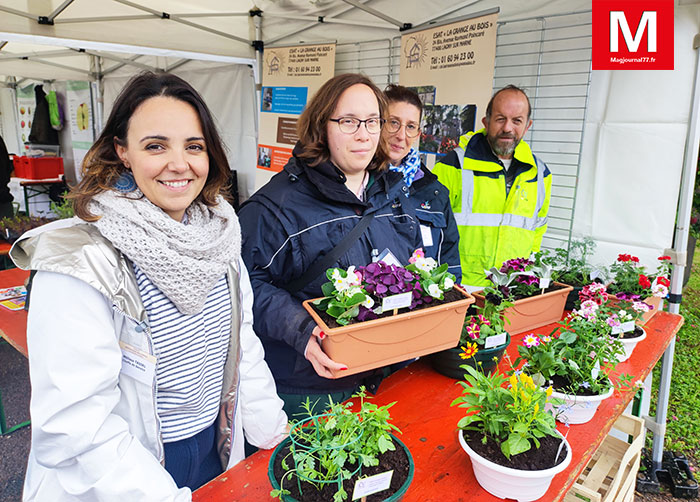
469	351
549	391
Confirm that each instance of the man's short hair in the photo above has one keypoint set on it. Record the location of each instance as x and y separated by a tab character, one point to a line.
509	87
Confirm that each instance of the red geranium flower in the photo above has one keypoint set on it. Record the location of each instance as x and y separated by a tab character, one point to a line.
663	281
623	257
634	259
664	257
644	281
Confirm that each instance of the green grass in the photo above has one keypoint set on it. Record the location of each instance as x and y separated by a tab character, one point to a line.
683	424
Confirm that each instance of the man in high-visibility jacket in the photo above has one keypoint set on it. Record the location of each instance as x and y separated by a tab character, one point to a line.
499	191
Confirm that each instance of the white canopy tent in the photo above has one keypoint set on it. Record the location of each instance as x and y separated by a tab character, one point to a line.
634	158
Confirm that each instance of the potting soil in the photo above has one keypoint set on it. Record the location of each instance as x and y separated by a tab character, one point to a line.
535	459
396	460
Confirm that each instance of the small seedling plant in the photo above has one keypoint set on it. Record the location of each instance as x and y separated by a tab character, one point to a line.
334	446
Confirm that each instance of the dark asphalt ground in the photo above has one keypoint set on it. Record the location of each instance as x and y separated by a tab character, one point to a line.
14	448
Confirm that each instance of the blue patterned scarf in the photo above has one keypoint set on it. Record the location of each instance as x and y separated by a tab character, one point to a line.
409	167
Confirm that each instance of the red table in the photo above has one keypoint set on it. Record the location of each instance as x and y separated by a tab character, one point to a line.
442	469
13	324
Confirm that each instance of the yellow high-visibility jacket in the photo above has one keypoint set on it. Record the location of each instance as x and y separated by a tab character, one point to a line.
494	226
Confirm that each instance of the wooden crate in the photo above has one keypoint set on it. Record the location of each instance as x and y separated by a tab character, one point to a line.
611	474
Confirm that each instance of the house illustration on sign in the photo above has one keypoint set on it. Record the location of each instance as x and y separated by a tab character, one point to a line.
414	51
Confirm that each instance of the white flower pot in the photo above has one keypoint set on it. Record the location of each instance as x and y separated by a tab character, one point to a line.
505	482
577	409
629	344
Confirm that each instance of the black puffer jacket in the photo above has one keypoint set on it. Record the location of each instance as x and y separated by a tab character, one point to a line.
301	214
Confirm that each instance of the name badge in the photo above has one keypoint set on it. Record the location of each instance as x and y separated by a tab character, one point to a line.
427	235
137	364
388	257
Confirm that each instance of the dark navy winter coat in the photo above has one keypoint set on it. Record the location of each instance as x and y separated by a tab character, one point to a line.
299	215
430	200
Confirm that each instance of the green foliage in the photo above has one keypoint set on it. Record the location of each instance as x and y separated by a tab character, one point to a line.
579	350
513	415
489	320
12	228
64	209
342	295
683	423
570	266
332	446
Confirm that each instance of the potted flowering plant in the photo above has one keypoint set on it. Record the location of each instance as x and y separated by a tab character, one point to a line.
510	435
571	265
483	341
620	316
537	300
360	313
576	359
325	455
632	283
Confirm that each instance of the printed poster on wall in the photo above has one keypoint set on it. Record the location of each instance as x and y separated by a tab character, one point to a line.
79	119
25	112
451	68
291	76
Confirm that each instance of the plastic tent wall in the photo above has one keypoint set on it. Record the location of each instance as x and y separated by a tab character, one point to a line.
636	122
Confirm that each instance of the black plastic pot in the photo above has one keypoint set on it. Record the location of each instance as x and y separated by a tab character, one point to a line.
572	298
448	362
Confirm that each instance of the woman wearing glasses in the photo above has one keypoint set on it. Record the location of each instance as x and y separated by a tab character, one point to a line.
337	175
426	194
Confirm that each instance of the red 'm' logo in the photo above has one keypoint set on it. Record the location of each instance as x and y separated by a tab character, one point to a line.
633	34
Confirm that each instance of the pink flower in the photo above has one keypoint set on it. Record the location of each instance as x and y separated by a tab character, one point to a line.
531	340
418	253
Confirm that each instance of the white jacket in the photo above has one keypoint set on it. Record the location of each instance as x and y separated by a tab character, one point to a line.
95	430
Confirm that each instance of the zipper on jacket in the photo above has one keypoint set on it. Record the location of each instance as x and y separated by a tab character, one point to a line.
142	326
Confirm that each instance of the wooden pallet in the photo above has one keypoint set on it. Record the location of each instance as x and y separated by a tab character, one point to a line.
611	474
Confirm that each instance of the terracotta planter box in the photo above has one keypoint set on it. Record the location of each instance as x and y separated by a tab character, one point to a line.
533	312
654	301
372	344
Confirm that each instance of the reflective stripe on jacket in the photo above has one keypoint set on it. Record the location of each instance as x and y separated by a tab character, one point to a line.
494	226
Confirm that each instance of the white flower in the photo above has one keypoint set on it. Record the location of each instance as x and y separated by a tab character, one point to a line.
659	290
353	279
353	290
640	307
425	264
434	291
448	283
368	303
589	305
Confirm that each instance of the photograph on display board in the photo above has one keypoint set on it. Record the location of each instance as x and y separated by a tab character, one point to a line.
267	99
264	157
442	125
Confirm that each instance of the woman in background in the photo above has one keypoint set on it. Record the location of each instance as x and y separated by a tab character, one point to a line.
426	194
146	373
336	177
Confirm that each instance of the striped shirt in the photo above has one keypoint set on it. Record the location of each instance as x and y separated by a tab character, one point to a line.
191	352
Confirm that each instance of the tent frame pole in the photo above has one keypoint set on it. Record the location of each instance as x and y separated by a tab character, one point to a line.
680	246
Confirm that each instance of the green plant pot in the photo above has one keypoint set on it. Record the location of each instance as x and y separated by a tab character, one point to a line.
448	362
396	496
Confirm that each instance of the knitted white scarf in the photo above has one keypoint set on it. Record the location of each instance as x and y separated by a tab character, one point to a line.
183	260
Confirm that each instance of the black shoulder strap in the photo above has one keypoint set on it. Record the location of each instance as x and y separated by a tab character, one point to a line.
324	262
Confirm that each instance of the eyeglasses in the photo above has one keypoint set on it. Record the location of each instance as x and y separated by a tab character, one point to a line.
394	126
350	125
